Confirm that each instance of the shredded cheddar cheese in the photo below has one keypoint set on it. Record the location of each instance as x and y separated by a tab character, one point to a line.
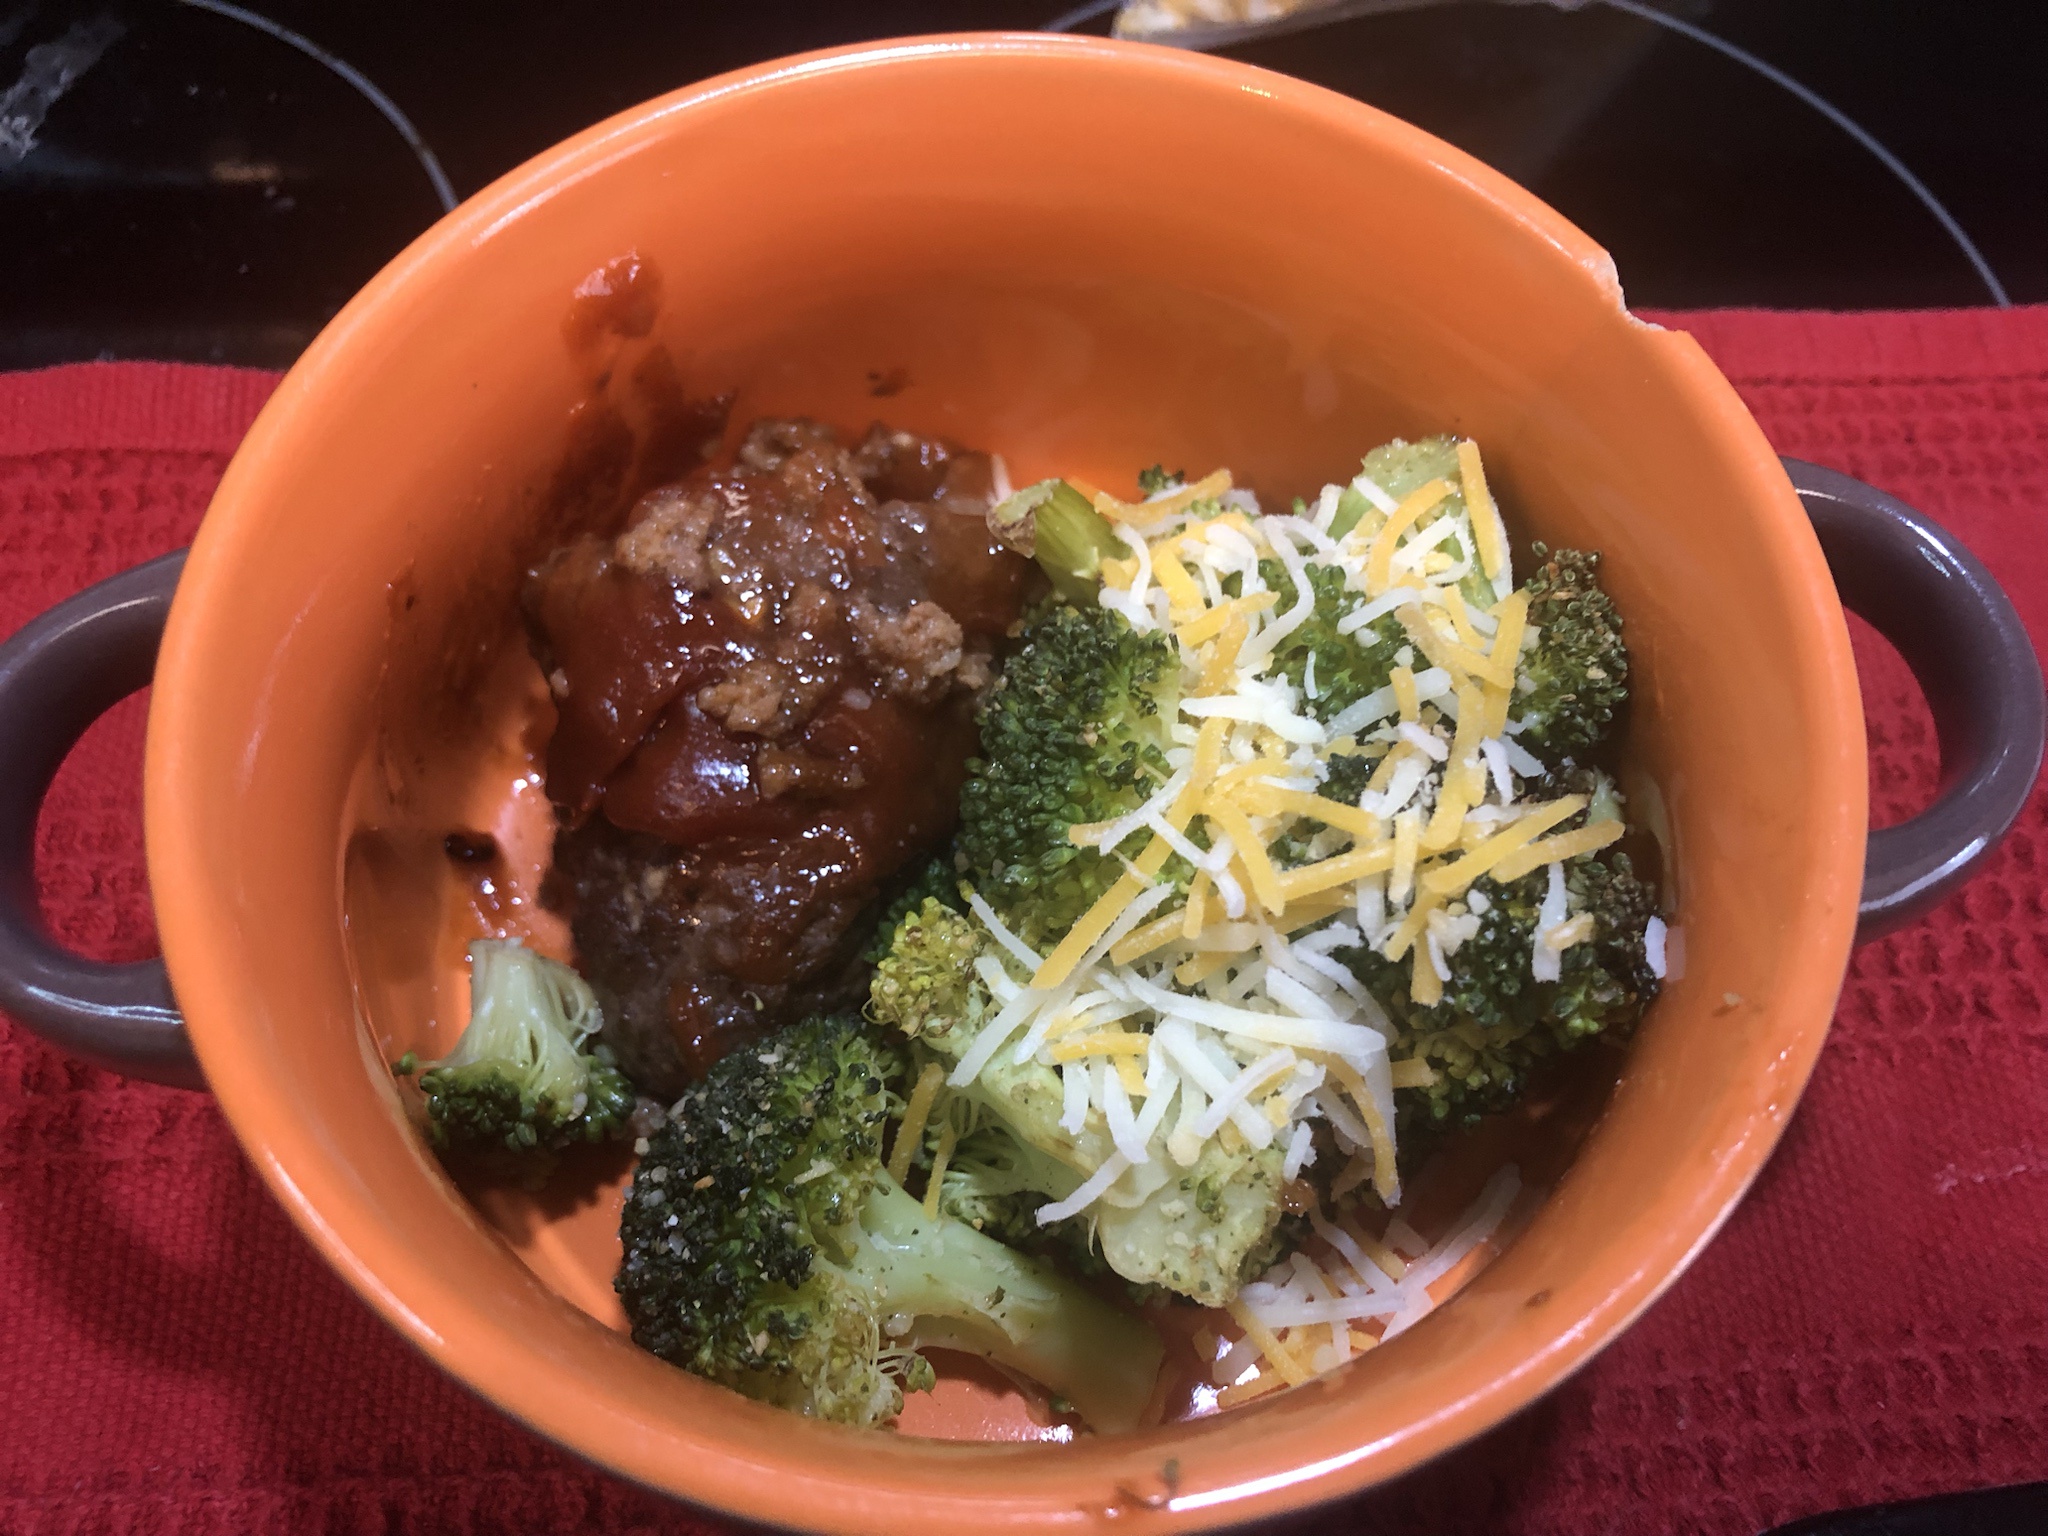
1411	926
1095	922
1379	562
1221	664
1260	801
1207	488
1511	614
1291	1370
1157	934
1403	682
1414	1072
1441	652
1554	850
1407	843
1199	968
1182	593
1235	825
949	1139
1344	868
1107	1044
1452	802
1497	697
1195	916
1450	879
1573	930
1425	986
1461	619
1383	775
1386	1181
910	1133
1250	1388
1199	631
1486	526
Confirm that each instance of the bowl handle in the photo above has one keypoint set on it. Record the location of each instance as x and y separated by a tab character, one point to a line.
58	674
1927	594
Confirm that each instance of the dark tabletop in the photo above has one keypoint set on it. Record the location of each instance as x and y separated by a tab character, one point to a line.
176	182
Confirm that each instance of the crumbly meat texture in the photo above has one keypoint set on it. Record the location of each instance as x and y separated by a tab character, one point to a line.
765	686
916	654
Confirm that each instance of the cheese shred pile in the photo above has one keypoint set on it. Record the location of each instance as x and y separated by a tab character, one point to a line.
1216	1008
1346	1292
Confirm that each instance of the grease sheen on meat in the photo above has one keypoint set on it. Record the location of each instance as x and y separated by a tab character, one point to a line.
765	685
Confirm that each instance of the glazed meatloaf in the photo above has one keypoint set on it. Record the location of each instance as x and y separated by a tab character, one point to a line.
765	689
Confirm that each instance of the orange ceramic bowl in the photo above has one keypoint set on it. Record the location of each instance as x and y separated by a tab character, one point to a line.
1086	256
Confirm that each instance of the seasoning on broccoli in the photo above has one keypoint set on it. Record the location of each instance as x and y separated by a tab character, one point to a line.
926	978
520	1078
767	1248
1575	677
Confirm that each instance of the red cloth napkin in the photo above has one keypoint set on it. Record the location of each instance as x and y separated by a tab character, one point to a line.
1871	1324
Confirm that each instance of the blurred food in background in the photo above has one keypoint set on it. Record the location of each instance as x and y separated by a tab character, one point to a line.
1204	22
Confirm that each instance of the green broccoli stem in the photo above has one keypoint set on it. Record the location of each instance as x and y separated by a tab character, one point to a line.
528	1011
966	1291
1073	541
1056	525
520	1077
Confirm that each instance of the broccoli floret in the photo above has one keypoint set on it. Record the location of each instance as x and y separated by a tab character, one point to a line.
928	989
1189	1229
1351	509
1350	774
1496	1023
1575	677
1347	667
1154	480
1075	731
1201	1232
1614	984
1350	666
935	882
767	1248
1399	467
926	977
519	1077
995	1183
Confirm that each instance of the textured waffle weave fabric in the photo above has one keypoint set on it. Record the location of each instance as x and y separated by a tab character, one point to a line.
1870	1325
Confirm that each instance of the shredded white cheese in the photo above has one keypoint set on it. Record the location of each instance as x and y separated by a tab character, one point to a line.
1309	1298
1211	996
